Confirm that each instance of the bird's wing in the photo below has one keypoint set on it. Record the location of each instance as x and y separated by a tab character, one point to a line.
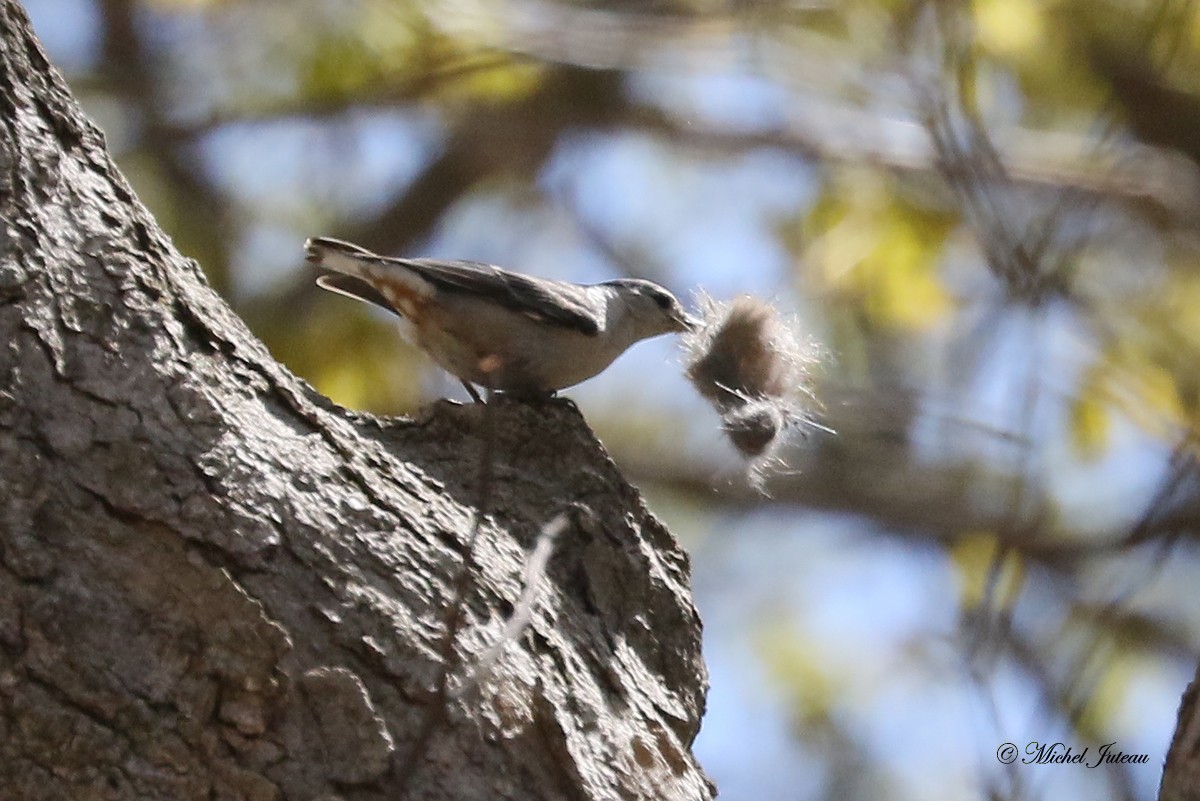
553	302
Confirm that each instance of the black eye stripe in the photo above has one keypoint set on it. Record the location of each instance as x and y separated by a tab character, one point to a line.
662	299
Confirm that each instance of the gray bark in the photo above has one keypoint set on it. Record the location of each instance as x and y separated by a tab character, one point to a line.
1181	774
215	583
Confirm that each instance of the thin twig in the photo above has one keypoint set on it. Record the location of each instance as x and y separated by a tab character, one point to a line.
522	615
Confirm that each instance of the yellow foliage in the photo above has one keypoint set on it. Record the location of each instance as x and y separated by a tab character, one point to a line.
973	558
1116	668
352	355
1009	26
392	33
1089	425
1131	380
873	246
393	48
1159	396
907	292
345	382
1181	302
1089	418
800	672
496	83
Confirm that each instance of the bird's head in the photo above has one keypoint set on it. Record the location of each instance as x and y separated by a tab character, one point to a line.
652	308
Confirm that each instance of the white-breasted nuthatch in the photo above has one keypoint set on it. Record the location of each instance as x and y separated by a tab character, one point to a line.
510	332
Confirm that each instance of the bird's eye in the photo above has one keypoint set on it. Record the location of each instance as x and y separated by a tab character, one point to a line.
663	300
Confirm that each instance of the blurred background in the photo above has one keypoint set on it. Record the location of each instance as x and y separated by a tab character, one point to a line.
988	213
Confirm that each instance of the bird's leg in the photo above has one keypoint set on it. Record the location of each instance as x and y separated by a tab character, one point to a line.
471	391
489	365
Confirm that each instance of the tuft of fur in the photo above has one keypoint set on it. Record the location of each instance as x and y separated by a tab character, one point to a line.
753	427
754	369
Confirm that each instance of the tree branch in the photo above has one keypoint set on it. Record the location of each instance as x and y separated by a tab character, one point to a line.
214	583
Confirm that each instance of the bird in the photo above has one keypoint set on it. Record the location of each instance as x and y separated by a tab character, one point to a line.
501	330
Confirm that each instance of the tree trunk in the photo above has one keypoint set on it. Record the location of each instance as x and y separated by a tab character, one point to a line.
1181	774
214	583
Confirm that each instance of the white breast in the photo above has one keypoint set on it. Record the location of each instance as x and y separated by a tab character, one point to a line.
533	356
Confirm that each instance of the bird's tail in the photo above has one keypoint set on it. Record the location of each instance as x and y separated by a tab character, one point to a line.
394	278
339	256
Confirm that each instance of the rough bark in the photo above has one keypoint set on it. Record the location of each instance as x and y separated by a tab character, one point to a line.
1181	774
214	583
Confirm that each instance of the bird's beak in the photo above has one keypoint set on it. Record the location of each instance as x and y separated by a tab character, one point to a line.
688	324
